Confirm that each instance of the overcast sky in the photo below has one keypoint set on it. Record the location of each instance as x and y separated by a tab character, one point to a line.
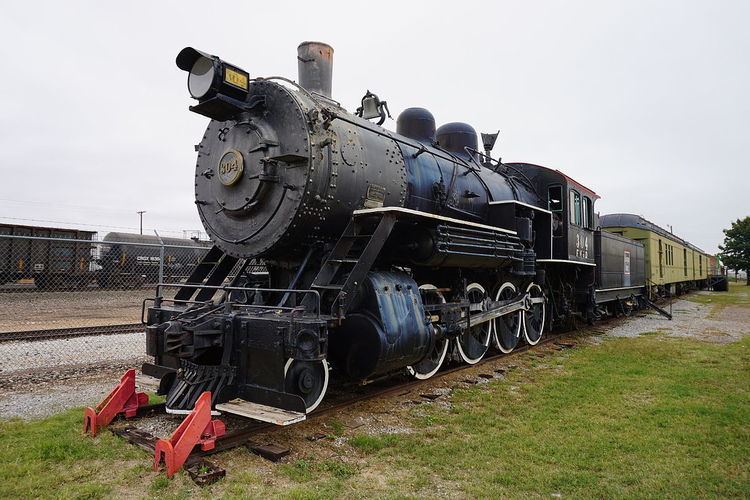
646	102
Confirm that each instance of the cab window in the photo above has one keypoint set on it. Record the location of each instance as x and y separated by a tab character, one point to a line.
555	198
575	207
588	213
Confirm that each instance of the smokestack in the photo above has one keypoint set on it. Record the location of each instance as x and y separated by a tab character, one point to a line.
315	67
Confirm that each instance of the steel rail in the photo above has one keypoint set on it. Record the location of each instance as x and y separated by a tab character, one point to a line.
62	333
242	436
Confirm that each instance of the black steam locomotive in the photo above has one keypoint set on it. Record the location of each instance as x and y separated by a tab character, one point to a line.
384	251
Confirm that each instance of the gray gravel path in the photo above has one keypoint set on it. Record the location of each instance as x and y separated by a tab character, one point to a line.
50	355
41	399
691	319
44	377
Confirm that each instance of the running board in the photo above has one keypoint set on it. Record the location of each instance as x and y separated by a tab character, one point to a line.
264	413
658	309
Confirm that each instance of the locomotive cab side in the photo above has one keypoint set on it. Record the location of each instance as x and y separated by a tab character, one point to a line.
573	257
572	207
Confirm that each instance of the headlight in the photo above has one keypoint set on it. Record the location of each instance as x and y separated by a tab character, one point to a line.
221	88
201	77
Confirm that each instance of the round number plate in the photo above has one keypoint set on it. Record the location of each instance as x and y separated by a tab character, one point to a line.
231	166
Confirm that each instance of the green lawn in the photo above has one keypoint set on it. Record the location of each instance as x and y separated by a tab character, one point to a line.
633	417
652	416
739	294
51	457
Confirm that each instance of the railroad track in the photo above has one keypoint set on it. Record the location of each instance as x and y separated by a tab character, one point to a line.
242	436
63	333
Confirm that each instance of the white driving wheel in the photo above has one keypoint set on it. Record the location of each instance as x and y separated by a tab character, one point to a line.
506	330
533	319
434	359
473	342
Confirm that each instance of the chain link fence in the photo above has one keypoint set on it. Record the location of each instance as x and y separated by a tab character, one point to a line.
69	300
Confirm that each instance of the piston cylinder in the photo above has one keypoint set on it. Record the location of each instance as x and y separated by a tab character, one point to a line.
387	331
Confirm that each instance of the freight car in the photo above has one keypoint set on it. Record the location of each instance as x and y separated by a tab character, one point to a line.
40	253
387	252
133	260
673	265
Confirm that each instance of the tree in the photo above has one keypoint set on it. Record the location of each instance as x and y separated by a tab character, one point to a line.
735	253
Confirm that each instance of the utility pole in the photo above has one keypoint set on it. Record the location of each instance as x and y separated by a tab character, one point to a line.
141	212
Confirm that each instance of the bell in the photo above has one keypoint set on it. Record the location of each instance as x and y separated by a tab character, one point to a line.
370	107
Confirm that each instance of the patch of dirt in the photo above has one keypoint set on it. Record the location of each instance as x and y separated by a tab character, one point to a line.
42	310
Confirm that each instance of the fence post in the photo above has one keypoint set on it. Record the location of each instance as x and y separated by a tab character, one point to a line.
161	258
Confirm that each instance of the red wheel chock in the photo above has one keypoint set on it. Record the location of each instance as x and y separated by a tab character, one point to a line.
122	399
196	429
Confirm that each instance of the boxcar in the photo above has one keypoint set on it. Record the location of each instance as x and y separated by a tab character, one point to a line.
52	261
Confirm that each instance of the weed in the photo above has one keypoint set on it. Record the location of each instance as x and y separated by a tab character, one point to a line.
371	444
299	470
337	428
339	469
159	483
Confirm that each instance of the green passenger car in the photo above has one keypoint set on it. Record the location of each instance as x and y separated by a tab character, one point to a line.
672	264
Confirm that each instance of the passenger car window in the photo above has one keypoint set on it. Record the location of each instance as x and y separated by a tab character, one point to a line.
684	260
575	208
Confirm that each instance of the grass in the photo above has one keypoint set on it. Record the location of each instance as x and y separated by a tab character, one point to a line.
633	417
51	457
371	444
647	417
652	416
307	469
738	295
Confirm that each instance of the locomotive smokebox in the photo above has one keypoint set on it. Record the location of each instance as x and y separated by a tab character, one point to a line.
315	67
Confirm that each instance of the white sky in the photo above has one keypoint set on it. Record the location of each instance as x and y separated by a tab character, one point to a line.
646	102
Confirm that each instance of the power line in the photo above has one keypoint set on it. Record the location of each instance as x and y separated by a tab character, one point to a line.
66	205
76	224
